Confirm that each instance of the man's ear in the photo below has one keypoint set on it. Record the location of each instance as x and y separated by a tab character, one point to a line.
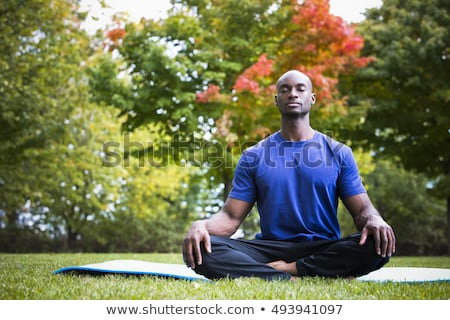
276	101
313	98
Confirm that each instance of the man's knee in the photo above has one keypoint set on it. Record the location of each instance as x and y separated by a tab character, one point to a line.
211	261
370	260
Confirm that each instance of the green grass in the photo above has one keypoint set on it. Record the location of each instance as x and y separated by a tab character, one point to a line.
29	277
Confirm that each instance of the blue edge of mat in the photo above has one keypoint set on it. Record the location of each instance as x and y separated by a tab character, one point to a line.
99	271
96	271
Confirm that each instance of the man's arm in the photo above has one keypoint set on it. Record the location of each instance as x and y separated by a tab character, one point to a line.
369	222
223	223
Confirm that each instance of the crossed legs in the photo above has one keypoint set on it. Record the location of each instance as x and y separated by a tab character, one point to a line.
231	258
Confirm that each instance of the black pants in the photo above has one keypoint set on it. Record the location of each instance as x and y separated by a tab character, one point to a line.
231	258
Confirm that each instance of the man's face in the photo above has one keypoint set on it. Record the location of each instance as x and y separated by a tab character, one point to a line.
294	94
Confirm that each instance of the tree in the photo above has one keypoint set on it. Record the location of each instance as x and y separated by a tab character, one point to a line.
54	192
406	88
40	84
71	185
209	82
401	196
84	193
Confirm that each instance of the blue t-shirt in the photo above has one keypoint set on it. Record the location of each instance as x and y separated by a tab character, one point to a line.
296	185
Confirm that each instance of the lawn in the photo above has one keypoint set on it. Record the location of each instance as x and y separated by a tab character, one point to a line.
29	277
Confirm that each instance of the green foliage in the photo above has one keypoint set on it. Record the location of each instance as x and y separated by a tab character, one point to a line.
39	72
408	83
56	192
143	134
403	196
30	277
407	87
204	79
40	84
78	203
403	200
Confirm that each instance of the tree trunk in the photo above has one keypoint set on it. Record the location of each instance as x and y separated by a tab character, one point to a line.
71	240
448	225
447	190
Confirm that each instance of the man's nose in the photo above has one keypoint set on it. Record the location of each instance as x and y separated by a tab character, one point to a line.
293	93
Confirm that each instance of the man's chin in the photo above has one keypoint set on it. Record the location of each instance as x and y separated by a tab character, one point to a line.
294	114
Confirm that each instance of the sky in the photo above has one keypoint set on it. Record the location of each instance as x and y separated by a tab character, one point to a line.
349	10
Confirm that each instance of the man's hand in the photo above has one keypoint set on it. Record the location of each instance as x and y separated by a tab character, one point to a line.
369	221
197	235
382	234
224	223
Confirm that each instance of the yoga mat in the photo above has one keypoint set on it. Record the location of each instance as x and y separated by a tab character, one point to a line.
181	271
407	274
136	267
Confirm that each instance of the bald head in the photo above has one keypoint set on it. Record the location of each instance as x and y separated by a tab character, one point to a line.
294	95
295	74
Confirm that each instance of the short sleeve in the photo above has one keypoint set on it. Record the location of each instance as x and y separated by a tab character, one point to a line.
243	185
349	181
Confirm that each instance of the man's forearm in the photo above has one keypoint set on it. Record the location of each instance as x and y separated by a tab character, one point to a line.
361	209
364	216
220	224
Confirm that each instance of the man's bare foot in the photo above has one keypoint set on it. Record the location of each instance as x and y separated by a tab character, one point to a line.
281	265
